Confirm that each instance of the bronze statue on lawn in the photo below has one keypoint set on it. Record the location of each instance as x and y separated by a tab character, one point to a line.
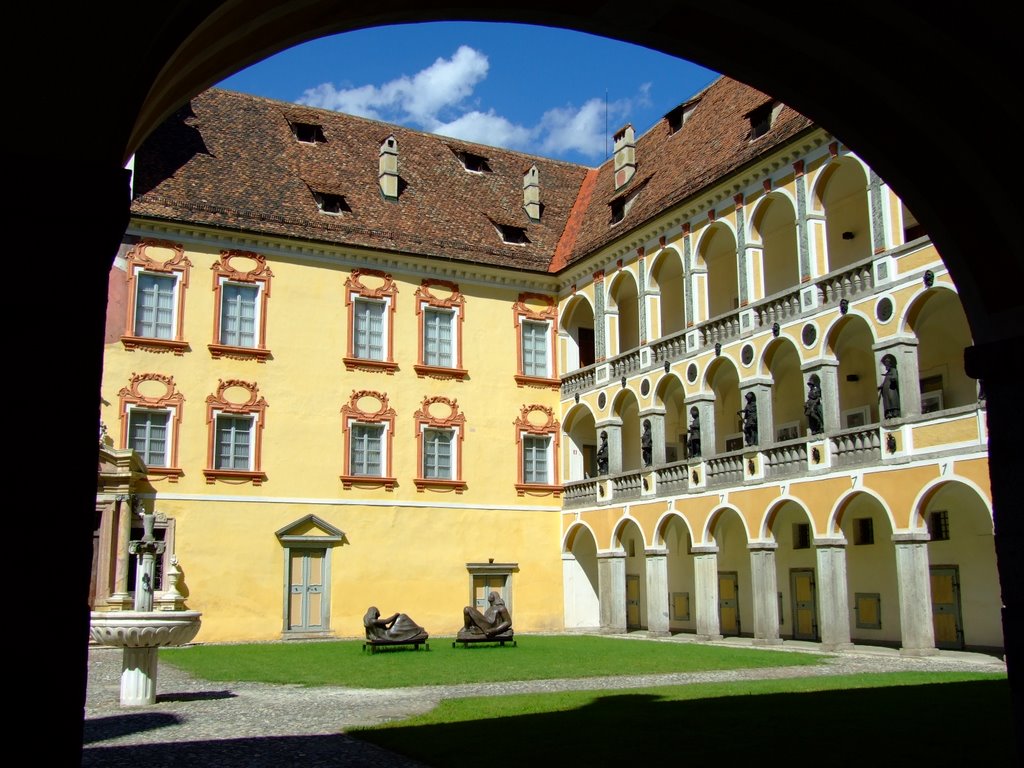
397	628
493	624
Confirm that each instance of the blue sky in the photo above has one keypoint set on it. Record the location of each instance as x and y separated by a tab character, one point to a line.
534	89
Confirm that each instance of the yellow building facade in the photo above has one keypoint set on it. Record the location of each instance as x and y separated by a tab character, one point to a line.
460	369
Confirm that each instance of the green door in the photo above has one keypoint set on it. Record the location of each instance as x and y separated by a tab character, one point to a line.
306	606
949	631
728	603
805	611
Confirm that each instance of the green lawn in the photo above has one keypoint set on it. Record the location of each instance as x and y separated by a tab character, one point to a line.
909	718
535	658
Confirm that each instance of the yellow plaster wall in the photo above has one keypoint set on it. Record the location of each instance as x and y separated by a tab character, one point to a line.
900	488
961	430
975	470
925	257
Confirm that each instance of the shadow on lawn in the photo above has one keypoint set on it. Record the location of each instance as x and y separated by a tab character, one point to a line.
936	724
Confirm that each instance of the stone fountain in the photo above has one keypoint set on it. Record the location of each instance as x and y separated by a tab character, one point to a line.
141	632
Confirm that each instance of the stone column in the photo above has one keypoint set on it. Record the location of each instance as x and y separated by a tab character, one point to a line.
905	352
876	205
743	269
754	260
613	427
766	593
688	297
801	222
657	591
833	599
641	298
138	676
817	241
611	579
705	587
706	408
762	389
657	418
828	372
915	590
600	347
121	599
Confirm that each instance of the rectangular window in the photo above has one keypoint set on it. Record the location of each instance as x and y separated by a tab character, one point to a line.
368	329
366	450
535	349
437	454
154	306
148	436
801	535
238	315
536	465
938	525
867	608
863	530
234	442
437	337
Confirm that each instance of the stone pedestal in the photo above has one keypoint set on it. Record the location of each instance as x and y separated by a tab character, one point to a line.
657	591
915	591
138	677
762	389
828	373
705	587
765	593
833	600
657	419
907	372
614	429
706	408
611	579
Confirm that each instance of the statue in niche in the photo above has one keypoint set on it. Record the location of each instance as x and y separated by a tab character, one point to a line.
602	454
693	434
493	624
812	406
889	389
749	414
647	443
397	628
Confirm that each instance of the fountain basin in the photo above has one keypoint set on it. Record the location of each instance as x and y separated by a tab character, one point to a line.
144	629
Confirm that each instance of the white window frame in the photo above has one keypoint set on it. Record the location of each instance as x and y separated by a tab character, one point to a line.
453	454
175	294
384	304
169	413
863	411
452	314
257	286
788	431
382	447
253	424
931	398
549	458
548	352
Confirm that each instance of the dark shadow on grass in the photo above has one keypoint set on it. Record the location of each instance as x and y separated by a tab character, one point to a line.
195	696
114	726
261	752
952	724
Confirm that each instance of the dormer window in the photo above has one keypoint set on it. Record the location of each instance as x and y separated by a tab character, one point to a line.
677	118
513	235
761	119
620	206
473	163
328	202
309	133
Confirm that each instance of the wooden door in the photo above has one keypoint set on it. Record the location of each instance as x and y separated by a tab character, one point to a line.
306	606
949	631
805	610
632	601
728	603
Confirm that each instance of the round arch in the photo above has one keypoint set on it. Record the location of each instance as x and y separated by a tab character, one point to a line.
715	518
768	520
842	504
841	192
624	296
577	323
666	276
773	224
717	252
663	523
569	537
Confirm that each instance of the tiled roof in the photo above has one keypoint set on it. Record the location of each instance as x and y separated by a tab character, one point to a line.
231	160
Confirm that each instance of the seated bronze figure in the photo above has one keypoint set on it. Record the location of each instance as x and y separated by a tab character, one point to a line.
493	624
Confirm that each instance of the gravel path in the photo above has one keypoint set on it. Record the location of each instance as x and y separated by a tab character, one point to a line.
198	723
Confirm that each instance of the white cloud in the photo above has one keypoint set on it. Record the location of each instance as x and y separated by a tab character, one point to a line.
487	128
437	99
418	99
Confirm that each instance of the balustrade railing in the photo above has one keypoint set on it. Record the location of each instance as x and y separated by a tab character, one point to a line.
625	364
786	459
778	309
578	381
627	485
579	493
721	329
726	468
856	446
669	348
853	281
672	478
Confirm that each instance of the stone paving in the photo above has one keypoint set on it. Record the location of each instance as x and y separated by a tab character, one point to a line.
198	723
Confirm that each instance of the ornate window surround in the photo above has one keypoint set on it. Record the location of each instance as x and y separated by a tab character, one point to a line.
549	315
138	261
171	401
455	302
259	276
526	426
454	421
387	293
352	414
254	405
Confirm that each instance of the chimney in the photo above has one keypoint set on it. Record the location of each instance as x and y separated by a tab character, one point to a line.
531	193
388	176
625	155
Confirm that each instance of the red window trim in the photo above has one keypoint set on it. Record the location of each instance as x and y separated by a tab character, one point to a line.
260	274
351	413
218	403
521	311
426	418
139	260
387	291
455	301
171	400
525	425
